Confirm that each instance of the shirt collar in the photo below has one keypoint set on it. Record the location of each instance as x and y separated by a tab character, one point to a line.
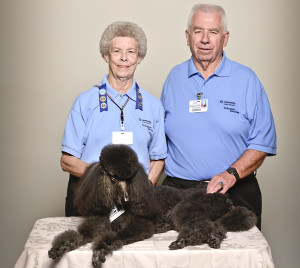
223	69
131	93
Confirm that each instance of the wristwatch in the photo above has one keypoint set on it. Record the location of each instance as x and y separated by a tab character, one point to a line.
233	171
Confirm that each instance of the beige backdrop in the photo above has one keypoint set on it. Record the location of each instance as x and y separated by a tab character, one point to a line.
49	53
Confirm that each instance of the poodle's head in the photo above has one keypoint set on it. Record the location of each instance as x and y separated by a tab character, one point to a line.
131	183
106	183
119	161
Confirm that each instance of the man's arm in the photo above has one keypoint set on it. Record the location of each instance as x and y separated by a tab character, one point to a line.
245	165
73	165
156	169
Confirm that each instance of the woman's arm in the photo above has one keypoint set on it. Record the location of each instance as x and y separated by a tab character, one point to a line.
156	169
73	165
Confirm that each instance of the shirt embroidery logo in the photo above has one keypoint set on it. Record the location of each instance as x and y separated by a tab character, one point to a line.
230	106
147	124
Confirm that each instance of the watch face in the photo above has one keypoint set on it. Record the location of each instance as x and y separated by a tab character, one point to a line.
229	170
233	171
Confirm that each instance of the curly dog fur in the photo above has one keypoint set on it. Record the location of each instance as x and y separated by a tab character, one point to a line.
118	180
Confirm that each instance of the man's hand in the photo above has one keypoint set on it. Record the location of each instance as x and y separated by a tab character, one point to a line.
245	165
222	182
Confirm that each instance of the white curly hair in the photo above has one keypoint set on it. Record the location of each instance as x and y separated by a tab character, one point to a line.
123	28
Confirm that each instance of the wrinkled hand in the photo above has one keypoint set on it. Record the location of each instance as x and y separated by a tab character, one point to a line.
214	185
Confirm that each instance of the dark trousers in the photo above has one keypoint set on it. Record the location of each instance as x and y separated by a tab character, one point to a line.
70	208
245	192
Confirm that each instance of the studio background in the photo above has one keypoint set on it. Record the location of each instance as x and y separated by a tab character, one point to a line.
49	54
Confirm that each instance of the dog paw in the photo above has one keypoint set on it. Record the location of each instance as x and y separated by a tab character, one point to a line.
98	258
178	244
55	252
214	241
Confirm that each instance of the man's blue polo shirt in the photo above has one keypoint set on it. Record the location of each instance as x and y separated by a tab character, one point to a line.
88	130
238	118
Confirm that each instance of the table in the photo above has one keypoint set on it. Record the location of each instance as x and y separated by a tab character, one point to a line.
240	250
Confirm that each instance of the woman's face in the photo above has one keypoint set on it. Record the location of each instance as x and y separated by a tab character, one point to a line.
122	58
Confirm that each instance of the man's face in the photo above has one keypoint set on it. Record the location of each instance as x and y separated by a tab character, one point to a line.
206	38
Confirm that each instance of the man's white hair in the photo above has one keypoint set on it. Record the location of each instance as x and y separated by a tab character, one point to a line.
206	8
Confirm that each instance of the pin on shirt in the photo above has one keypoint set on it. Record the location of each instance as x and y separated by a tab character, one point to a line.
199	95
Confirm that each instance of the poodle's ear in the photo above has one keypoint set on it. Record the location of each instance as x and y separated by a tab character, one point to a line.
142	195
93	196
119	161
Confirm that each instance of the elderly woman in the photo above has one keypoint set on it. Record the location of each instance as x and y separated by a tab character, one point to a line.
115	111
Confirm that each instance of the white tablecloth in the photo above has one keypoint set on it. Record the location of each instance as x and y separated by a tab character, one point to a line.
242	249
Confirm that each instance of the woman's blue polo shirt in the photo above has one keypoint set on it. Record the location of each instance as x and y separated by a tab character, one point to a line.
88	130
238	117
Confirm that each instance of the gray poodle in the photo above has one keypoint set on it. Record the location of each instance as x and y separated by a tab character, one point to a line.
122	207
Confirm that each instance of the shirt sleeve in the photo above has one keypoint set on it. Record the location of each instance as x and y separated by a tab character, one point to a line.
262	134
158	145
72	141
163	93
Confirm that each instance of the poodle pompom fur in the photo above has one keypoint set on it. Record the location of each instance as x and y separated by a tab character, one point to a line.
119	182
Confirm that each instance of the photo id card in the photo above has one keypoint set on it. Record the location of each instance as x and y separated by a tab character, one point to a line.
122	138
115	213
198	106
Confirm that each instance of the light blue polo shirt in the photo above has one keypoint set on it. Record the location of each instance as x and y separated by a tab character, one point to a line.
88	130
238	118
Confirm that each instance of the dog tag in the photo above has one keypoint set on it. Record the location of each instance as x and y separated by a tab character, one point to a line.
122	138
115	213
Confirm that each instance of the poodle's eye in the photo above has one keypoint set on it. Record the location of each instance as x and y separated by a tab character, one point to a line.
113	179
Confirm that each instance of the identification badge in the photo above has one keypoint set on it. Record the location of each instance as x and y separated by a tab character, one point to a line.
115	213
122	138
198	106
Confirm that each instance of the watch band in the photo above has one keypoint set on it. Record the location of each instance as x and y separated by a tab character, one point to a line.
233	171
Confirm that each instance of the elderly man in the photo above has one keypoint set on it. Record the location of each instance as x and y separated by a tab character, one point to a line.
218	121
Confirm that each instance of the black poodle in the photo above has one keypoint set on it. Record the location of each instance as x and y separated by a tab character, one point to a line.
123	207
